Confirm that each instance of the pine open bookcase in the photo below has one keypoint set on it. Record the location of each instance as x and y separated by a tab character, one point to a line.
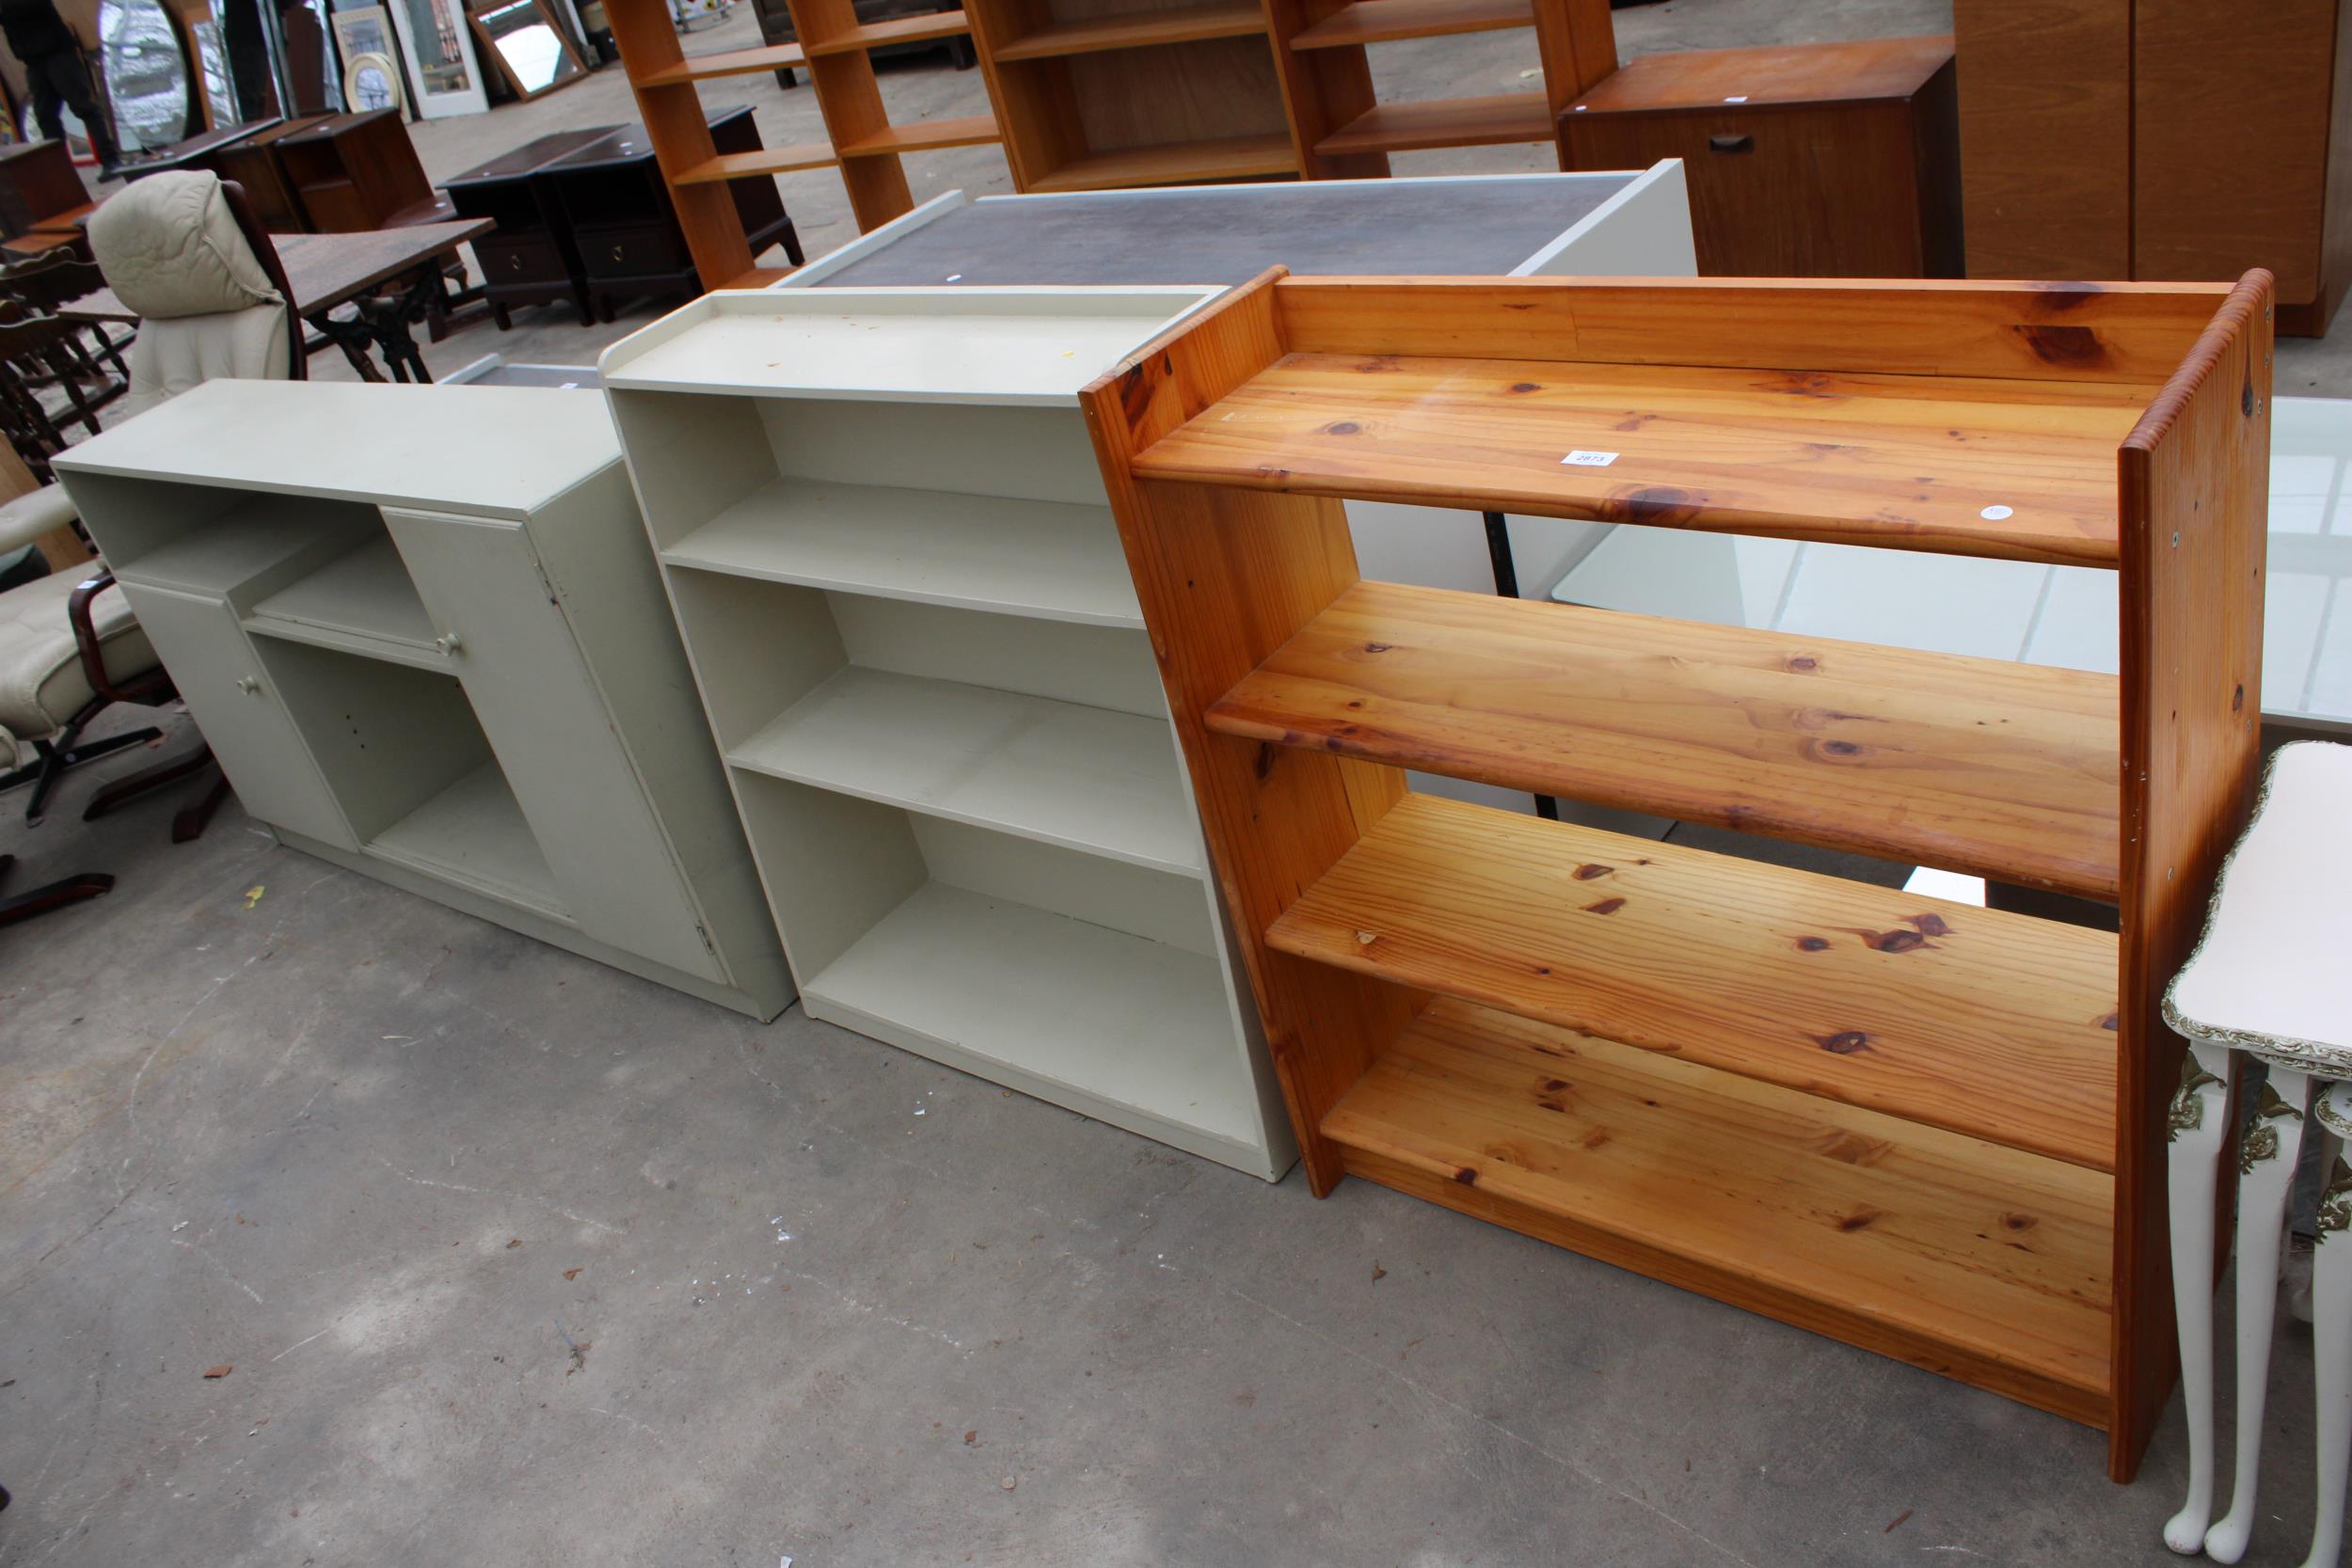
1928	1128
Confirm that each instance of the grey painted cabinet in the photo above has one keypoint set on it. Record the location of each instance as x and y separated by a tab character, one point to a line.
425	634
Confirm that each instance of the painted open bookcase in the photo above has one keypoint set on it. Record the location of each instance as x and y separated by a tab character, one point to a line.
901	589
1928	1128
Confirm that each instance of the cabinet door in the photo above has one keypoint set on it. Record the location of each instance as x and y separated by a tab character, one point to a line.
552	735
205	649
2230	150
2045	136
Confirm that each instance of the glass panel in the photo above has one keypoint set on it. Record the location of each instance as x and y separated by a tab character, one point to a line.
212	56
526	39
145	75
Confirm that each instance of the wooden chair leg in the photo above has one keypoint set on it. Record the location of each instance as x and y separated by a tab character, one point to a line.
190	821
2331	1325
2200	1123
49	895
2266	1158
145	779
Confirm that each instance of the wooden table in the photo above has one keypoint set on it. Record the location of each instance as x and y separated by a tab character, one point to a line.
330	270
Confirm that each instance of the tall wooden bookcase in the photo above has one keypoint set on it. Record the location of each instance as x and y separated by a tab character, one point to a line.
884	536
1930	1130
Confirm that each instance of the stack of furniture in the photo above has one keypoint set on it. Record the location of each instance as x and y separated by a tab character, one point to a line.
353	173
254	163
2160	140
1811	160
886	541
1928	1128
608	197
42	200
439	656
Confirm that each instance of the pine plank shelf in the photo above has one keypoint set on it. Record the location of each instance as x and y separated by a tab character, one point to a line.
1181	163
1985	767
771	160
1052	560
1085	778
922	136
1221	18
362	602
732	62
1851	459
1936	1132
901	29
1495	119
1385	21
1114	1025
1968	1259
1903	1005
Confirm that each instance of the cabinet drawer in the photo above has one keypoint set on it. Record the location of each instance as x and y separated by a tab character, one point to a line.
520	258
251	733
639	251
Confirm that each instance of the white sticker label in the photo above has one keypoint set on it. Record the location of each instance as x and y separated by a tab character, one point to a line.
1590	459
1997	514
1736	98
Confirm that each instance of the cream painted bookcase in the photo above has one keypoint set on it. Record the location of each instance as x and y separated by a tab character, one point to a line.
886	539
423	632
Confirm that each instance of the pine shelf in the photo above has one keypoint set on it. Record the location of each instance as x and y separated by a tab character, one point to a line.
1220	19
1842	458
923	28
1386	21
1979	766
1427	124
1934	1131
732	62
1966	1258
1173	163
923	135
771	160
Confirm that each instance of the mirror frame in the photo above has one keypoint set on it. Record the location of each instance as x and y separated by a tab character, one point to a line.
580	67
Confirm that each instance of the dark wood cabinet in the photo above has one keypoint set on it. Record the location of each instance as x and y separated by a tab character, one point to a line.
612	196
38	186
2161	140
353	173
1820	160
253	163
531	257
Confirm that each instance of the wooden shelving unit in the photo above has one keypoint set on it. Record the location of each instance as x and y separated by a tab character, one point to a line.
887	546
1930	1130
1344	130
1099	94
861	142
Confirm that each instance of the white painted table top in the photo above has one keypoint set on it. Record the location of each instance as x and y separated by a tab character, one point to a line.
1033	346
2271	974
501	452
2060	615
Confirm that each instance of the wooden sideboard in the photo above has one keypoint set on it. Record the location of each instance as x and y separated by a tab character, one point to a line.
2159	140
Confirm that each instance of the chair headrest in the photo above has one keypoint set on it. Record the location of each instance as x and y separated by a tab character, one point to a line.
170	246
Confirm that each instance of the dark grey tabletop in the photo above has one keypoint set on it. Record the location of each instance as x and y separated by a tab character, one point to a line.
1228	235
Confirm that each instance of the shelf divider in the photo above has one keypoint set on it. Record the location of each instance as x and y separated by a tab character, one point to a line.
1984	766
1385	21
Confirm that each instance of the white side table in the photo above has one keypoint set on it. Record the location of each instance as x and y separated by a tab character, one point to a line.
2269	978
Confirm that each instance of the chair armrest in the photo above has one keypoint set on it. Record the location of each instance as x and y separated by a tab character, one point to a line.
35	516
147	687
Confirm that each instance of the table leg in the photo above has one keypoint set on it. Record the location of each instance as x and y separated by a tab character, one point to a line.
2197	1127
2266	1163
2331	1325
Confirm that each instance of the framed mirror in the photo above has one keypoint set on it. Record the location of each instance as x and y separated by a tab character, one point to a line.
212	74
533	51
145	73
370	59
439	52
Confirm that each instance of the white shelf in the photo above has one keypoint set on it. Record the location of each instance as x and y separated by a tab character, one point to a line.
1047	560
361	602
1130	1031
224	555
474	833
1015	346
1085	778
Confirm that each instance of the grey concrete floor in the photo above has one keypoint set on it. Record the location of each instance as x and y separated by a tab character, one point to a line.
515	1260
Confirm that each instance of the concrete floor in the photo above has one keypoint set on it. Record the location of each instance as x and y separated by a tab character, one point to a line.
516	1260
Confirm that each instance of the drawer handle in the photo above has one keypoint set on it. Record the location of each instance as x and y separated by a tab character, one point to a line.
1731	144
448	643
618	255
248	685
513	264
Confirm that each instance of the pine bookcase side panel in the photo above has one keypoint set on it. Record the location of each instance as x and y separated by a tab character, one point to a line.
2194	491
1226	578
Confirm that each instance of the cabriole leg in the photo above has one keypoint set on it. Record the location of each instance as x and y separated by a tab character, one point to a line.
2331	1325
2193	1158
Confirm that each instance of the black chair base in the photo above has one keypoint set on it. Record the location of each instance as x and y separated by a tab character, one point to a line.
49	895
68	749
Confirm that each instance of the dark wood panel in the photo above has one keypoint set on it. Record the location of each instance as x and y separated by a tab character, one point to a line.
2045	136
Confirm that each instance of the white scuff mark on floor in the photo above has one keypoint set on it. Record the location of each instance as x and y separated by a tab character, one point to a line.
660	1441
299	1343
217	1264
1432	1396
868	1309
549	1205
